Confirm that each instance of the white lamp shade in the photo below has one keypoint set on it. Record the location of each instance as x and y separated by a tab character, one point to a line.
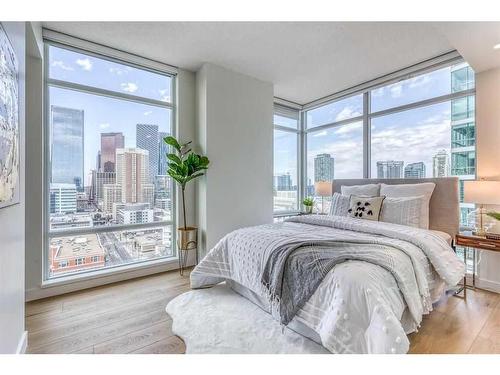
482	192
323	188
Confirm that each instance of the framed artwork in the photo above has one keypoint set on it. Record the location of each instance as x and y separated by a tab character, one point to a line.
9	123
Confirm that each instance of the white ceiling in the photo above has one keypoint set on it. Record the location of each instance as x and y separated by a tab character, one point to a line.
304	60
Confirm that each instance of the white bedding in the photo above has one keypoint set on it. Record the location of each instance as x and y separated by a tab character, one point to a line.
358	308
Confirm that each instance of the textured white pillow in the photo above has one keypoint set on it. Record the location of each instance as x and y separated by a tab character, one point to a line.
366	208
424	189
403	211
368	190
340	204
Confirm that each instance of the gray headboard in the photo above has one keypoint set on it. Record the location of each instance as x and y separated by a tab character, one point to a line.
444	207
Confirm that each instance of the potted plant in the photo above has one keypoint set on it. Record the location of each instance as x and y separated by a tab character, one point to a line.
308	204
184	166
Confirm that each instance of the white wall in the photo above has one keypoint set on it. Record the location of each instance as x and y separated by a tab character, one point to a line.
12	221
488	160
235	131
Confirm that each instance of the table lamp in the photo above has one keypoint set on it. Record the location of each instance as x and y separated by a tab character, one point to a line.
323	189
481	192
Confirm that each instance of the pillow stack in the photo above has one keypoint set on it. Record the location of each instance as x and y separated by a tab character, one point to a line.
405	204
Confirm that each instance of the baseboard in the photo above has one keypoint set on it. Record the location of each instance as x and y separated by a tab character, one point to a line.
23	343
492	286
103	279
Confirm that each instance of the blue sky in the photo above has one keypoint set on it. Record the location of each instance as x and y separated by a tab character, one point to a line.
104	114
411	136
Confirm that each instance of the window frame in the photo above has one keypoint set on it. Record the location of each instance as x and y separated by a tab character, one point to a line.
54	39
291	112
443	61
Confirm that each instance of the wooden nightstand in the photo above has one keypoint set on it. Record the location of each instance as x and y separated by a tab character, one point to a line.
471	241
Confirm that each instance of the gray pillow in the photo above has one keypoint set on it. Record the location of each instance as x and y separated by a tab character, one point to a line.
403	211
366	208
368	190
424	189
340	204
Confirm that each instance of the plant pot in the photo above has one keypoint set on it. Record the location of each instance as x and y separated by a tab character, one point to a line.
187	238
308	209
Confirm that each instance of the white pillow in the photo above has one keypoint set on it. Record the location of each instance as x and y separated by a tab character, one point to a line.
403	211
368	190
424	189
340	204
365	208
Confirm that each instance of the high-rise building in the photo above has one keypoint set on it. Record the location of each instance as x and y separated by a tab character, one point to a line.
463	137
99	179
134	213
390	169
109	143
162	154
415	170
324	167
147	139
63	198
283	182
66	126
441	164
132	180
112	194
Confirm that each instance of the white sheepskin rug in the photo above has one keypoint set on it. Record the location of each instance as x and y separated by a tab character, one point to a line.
218	320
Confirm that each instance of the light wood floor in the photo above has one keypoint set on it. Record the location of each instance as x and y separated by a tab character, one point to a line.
129	317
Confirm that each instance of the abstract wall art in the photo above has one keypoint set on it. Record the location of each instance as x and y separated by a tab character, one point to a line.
9	123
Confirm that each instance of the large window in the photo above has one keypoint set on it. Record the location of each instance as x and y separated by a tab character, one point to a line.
109	200
416	126
286	161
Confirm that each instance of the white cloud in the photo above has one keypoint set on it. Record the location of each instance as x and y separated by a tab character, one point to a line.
119	71
85	64
320	133
61	64
347	112
396	90
104	126
419	81
345	129
129	87
164	96
147	113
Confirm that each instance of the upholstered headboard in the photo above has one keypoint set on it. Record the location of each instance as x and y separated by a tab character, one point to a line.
444	207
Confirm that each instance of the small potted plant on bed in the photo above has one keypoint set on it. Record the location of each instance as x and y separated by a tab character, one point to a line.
184	166
308	205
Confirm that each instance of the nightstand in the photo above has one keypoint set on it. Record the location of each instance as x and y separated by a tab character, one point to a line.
471	241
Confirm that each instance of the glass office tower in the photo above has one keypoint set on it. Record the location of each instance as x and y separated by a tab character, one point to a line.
67	146
463	134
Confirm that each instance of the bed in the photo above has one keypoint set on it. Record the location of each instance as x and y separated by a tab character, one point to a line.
351	285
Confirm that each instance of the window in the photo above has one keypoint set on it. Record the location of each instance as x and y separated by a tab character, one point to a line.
334	152
109	198
463	135
412	144
421	125
335	112
285	180
79	261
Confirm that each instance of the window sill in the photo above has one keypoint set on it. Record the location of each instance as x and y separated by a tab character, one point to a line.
107	273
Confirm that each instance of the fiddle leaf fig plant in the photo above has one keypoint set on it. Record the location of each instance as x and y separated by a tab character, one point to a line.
184	165
494	215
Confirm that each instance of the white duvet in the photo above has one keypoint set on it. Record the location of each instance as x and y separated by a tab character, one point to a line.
358	308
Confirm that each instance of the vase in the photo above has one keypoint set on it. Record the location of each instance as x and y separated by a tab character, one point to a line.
187	239
308	209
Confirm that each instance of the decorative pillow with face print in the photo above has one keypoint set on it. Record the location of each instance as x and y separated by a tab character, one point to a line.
366	208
